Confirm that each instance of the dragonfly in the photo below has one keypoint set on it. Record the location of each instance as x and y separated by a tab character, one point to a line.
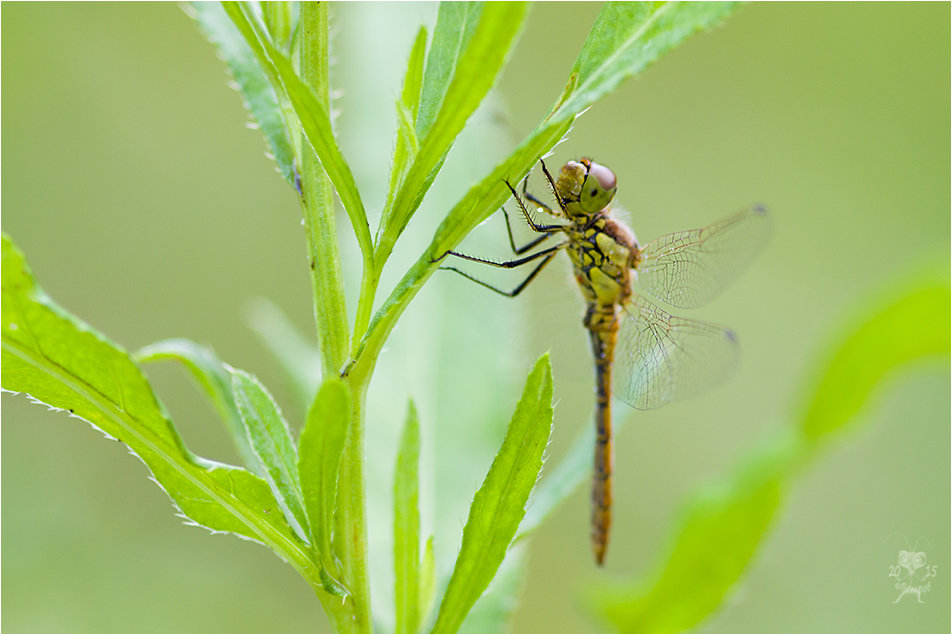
643	355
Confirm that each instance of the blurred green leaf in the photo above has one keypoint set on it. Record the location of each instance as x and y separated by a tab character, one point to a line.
627	37
257	92
322	445
499	505
913	326
271	441
209	371
406	527
297	356
717	536
722	527
427	580
474	74
313	116
63	363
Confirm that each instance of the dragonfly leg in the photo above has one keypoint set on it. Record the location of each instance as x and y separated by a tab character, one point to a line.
555	193
532	198
549	255
536	227
508	264
529	245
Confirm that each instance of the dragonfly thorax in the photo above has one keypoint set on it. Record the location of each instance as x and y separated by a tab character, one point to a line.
603	252
585	188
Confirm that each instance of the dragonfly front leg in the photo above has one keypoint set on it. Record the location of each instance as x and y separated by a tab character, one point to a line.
551	181
532	198
536	227
538	240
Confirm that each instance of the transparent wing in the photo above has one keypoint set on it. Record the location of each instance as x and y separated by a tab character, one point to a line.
660	358
689	268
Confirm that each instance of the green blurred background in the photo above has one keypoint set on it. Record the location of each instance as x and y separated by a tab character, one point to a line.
146	208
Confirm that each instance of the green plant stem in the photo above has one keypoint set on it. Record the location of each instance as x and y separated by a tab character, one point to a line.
327	280
353	615
365	303
350	521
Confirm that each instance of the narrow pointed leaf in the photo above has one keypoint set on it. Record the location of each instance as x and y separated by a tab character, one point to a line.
322	445
257	92
427	580
455	24
209	371
407	143
271	442
474	75
314	119
499	505
63	363
627	37
406	527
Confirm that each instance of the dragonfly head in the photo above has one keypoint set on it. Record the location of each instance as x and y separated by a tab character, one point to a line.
585	187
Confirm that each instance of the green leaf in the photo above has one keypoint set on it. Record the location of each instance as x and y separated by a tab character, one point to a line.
494	610
406	526
717	537
271	442
209	371
427	580
499	505
297	356
721	529
279	20
455	24
314	119
627	37
911	327
322	445
59	361
258	93
475	72
407	142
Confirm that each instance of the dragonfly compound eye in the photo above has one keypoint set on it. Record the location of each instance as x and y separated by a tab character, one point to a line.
598	189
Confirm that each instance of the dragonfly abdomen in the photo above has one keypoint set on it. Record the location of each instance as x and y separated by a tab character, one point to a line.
602	323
